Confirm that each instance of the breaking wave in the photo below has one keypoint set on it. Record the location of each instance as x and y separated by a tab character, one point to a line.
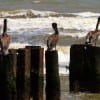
33	14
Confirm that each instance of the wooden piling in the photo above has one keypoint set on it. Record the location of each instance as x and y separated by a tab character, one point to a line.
27	71
14	64
20	74
41	75
84	68
6	77
36	73
52	76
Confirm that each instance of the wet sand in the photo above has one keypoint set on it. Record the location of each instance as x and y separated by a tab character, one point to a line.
66	95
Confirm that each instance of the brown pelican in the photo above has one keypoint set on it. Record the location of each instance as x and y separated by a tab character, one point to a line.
4	39
92	36
53	38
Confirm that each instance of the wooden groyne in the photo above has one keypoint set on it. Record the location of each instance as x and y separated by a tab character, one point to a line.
21	74
84	68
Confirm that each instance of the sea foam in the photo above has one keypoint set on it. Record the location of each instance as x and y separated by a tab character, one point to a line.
43	25
30	13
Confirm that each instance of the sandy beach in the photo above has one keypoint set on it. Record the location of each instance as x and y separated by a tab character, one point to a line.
66	95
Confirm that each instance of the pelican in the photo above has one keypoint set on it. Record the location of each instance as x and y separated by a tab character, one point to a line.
92	36
4	39
53	38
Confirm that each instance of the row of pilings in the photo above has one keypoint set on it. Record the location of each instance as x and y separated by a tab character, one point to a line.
22	74
84	68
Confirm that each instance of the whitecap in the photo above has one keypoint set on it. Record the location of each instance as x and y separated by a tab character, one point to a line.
87	14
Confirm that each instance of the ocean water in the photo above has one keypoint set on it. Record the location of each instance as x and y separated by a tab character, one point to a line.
52	5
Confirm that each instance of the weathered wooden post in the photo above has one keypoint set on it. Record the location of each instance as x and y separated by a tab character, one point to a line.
6	77
41	75
20	74
36	73
14	57
84	68
52	76
14	62
27	71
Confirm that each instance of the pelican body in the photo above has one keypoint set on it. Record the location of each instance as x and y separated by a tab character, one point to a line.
4	39
53	38
92	36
